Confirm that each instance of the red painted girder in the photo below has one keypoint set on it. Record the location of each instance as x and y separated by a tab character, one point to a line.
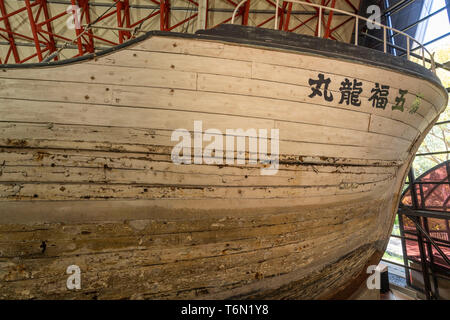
245	11
51	42
77	31
84	5
12	43
33	29
164	14
288	17
330	19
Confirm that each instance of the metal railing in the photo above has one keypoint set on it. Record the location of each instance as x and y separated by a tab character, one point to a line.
409	40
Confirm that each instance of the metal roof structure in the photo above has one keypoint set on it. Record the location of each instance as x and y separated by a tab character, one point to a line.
34	30
31	30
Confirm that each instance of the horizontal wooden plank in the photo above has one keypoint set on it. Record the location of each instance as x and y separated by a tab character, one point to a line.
392	127
296	76
291	59
261	88
91	211
187	100
172	175
104	74
69	113
178	62
169	230
290	152
124	160
108	188
310	133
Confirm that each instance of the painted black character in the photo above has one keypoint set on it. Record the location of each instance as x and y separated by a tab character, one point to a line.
380	96
400	101
350	92
316	91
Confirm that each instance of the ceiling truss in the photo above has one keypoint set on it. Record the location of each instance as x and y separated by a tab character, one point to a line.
34	30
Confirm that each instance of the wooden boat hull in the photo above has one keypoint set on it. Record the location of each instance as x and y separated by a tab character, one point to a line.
87	176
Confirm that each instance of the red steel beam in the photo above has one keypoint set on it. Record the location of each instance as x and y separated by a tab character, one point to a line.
44	37
281	14
341	24
240	12
15	12
232	3
77	30
316	16
303	23
164	15
355	10
288	17
51	42
34	29
245	12
330	19
206	20
17	34
12	43
84	5
119	20
265	21
123	16
134	24
181	22
127	17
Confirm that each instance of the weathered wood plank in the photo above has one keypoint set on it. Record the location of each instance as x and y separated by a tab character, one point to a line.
252	87
300	77
123	76
169	61
188	100
290	59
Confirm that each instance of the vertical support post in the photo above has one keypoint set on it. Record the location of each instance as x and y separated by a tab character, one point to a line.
423	260
276	14
119	20
433	65
164	14
405	253
415	204
77	23
52	44
84	5
34	30
8	28
288	17
123	15
408	50
423	56
126	17
384	39
330	18
430	253
246	10
356	31
282	11
206	14
319	27
202	14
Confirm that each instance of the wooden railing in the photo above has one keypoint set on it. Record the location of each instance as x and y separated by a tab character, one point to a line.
409	40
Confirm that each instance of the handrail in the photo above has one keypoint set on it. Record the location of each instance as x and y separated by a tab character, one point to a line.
357	18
